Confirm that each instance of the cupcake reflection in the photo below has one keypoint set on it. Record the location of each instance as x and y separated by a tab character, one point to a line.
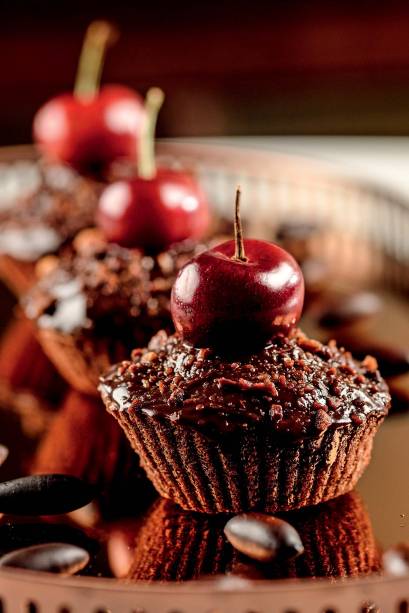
84	441
174	545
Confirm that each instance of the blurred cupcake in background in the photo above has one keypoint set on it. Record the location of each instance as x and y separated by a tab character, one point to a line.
110	293
42	207
94	305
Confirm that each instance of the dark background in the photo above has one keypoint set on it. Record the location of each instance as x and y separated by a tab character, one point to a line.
240	68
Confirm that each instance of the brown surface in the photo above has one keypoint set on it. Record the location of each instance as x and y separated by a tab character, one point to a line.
19	276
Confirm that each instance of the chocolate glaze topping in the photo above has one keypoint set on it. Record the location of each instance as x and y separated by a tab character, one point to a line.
97	289
296	386
101	289
53	204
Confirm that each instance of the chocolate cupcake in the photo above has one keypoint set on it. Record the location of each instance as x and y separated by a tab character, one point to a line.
97	302
41	208
175	545
288	426
106	461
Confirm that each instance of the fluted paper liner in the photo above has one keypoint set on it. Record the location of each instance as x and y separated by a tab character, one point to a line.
249	470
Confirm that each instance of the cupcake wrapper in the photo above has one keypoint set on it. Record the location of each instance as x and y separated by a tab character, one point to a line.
248	471
81	364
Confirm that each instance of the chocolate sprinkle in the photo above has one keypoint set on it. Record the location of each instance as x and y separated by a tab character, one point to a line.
295	386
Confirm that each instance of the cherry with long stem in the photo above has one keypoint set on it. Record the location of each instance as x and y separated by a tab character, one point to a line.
157	206
94	126
238	295
146	158
99	35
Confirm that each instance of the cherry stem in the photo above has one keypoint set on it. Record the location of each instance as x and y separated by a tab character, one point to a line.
238	230
99	35
146	158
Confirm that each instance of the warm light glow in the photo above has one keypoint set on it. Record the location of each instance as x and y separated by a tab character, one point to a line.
115	199
51	121
282	276
123	116
175	196
188	282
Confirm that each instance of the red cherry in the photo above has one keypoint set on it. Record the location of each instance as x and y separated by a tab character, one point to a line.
90	133
159	206
91	128
239	294
153	213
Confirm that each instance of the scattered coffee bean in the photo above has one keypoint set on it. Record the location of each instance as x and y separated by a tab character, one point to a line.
4	452
51	557
263	537
44	495
340	310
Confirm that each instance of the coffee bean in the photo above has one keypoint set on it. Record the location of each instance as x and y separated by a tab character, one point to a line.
263	537
44	495
340	310
51	557
4	452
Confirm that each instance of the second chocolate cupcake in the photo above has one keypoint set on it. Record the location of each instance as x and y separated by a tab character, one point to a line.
94	304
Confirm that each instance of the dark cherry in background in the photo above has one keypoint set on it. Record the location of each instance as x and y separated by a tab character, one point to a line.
153	213
240	293
155	207
91	127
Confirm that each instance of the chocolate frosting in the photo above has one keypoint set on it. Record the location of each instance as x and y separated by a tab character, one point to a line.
51	204
99	289
296	386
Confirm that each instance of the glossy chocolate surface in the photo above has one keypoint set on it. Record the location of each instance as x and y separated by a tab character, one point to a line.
219	300
296	386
